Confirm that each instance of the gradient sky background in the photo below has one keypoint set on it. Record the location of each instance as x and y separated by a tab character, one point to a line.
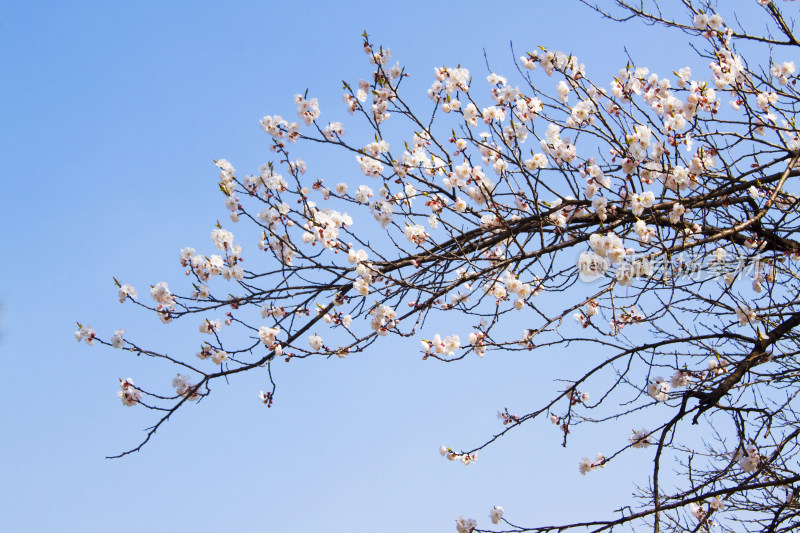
112	113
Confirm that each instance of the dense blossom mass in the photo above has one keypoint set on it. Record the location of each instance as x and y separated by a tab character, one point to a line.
650	216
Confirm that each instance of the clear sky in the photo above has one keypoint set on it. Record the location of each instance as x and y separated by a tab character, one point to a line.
111	115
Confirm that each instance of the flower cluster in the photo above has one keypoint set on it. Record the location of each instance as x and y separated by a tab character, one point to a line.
749	459
783	71
184	387
307	110
268	335
717	365
219	356
333	131
658	389
315	342
476	340
280	129
578	397
116	339
384	318
585	318
552	61
562	423
161	294
496	514
705	22
127	291
589	465
129	394
450	81
626	317
640	439
745	315
465	458
465	525
415	233
439	346
323	225
680	379
266	398
85	333
210	326
506	418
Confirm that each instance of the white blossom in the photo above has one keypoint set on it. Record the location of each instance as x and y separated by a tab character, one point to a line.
129	394
744	314
588	465
116	340
315	342
267	335
640	439
126	291
465	525
496	514
658	389
750	459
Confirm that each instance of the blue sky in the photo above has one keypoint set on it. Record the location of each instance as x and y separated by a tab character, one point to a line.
112	115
